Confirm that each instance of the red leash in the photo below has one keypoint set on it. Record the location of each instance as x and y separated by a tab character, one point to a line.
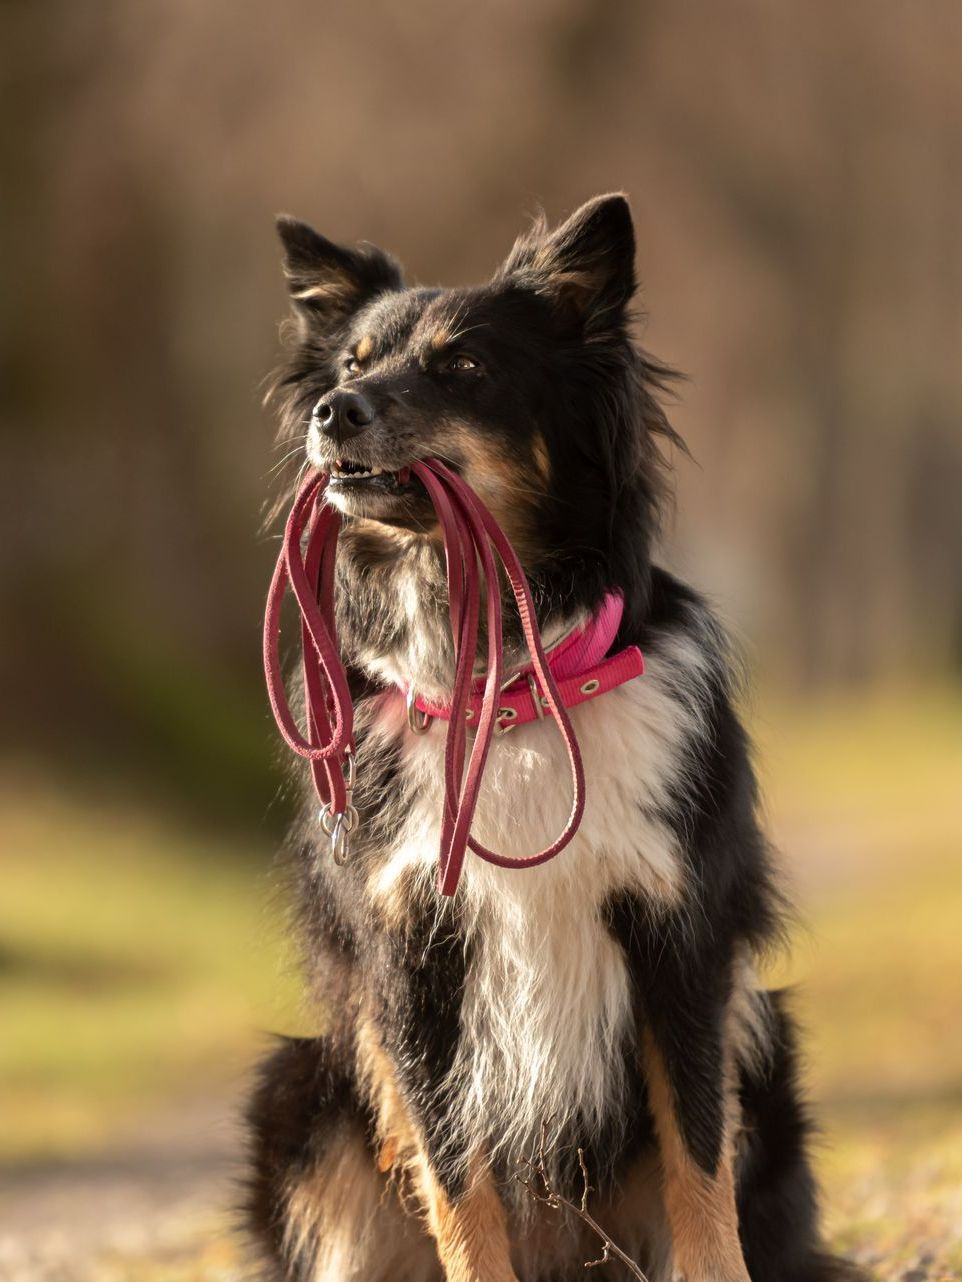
471	539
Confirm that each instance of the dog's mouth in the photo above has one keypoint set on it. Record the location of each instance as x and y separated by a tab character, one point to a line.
349	474
393	496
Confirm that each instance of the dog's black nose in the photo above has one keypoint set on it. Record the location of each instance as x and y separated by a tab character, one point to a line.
343	413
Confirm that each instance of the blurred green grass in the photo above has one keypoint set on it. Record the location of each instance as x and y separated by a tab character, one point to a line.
141	958
880	994
865	797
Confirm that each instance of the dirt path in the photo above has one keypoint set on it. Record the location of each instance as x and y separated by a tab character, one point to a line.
165	1196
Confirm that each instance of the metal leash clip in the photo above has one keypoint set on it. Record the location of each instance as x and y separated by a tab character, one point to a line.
339	825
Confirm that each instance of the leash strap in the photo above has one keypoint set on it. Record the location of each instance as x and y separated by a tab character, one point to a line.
329	743
470	533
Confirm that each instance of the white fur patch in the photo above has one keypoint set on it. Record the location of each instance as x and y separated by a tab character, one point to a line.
547	1000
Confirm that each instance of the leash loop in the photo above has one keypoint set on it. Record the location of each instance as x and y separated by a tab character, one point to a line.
474	544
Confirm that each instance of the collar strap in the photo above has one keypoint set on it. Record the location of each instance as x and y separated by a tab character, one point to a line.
579	667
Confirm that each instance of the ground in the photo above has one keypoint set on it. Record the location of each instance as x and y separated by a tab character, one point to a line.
141	959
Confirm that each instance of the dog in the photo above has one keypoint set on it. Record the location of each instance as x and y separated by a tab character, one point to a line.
590	1026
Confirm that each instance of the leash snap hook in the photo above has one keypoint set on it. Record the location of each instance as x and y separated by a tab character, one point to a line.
338	825
344	825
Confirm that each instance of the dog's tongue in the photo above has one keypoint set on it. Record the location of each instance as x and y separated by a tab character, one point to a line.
472	539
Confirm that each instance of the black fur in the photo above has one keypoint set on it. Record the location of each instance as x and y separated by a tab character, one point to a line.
305	1092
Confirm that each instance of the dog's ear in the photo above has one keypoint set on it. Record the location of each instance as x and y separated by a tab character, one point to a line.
586	266
329	282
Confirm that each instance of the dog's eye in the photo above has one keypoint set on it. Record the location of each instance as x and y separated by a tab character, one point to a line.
462	363
352	365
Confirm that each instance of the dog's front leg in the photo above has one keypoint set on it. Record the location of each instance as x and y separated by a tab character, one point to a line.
463	1209
470	1227
698	1182
408	1044
685	989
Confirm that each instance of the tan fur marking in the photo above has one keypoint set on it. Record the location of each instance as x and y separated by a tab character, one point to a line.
471	1233
701	1208
545	261
397	1134
509	491
383	542
333	290
388	1154
542	462
440	339
364	348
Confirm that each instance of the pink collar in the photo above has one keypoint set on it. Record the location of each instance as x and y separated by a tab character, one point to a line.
577	663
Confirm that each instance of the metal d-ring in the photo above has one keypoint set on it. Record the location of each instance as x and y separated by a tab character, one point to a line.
418	721
505	722
537	699
350	777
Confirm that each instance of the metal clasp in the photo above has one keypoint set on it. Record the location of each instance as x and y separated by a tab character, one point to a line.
339	828
338	825
418	721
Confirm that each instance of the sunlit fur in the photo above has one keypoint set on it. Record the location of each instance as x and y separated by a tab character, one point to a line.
606	1000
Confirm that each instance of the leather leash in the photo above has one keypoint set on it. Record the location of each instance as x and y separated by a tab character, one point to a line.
472	540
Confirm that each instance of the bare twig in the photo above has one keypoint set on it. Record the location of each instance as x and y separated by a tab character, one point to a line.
538	1183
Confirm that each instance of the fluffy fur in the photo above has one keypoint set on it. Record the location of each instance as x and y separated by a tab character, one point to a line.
609	995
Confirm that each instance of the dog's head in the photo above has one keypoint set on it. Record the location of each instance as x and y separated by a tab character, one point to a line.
528	386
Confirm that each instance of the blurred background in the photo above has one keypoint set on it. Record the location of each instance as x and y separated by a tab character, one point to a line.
795	170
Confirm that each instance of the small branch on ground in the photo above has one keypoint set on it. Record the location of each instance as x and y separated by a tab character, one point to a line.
539	1185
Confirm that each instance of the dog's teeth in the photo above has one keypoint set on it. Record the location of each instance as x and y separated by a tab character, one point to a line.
345	470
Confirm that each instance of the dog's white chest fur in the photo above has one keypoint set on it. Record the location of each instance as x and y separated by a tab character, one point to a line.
547	999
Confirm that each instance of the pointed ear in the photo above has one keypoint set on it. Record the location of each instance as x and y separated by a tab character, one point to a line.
586	266
328	282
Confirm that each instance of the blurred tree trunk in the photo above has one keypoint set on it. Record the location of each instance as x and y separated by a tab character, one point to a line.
796	173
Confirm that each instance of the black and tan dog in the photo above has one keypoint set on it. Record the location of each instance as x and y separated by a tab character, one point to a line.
609	995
